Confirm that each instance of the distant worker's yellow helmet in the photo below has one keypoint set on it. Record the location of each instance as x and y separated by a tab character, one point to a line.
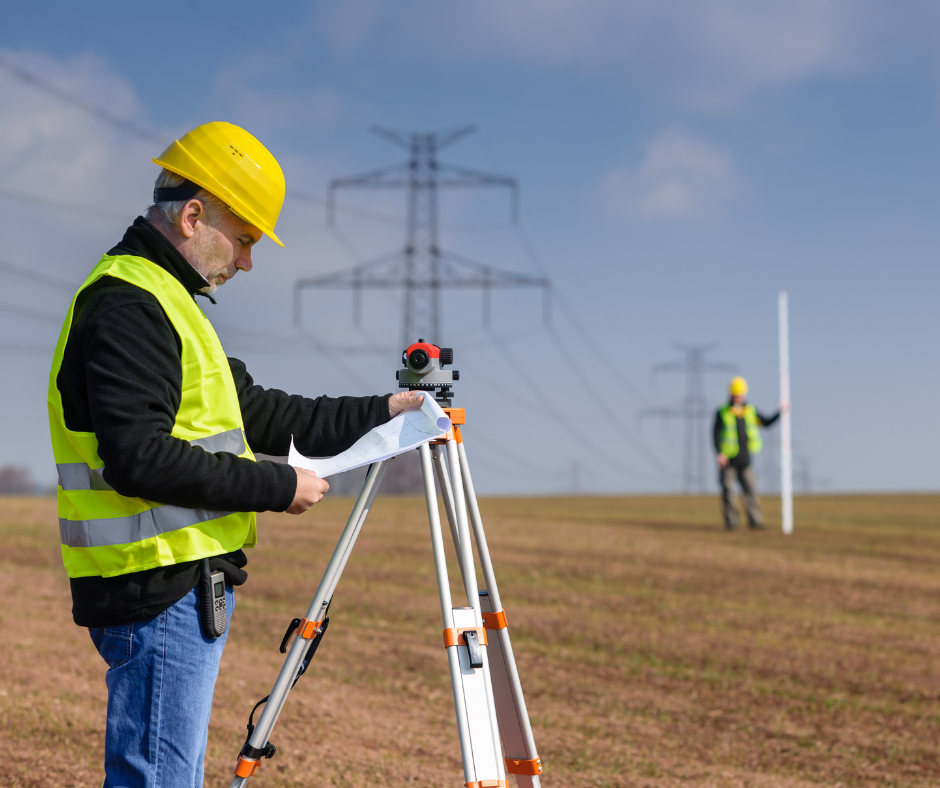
231	164
738	387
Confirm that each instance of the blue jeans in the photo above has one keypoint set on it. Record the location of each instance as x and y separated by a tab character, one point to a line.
161	678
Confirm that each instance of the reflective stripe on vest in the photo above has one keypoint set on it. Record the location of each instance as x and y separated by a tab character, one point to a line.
729	436
104	533
78	476
232	441
134	528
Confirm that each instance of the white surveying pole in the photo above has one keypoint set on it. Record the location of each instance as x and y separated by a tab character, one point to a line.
786	455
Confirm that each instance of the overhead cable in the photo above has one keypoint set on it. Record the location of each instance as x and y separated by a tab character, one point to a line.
611	367
560	417
610	413
61	205
35	314
35	81
39	350
37	278
364	213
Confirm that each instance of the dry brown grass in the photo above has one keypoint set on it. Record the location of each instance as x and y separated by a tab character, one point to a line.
655	649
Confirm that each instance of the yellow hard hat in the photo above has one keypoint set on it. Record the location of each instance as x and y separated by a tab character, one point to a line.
738	387
231	164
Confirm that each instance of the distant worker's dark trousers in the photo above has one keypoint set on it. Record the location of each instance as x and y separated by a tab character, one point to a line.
748	482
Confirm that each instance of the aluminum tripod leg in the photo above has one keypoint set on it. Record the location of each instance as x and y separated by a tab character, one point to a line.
310	624
447	493
522	758
464	639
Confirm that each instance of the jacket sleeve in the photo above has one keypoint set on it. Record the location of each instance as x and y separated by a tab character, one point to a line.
766	421
134	382
716	432
321	427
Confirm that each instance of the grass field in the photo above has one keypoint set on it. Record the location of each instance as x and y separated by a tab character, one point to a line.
655	649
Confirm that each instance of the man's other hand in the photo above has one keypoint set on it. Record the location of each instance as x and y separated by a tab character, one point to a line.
404	400
310	490
722	461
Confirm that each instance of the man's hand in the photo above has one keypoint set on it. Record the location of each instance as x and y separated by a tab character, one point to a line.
722	462
310	490
404	400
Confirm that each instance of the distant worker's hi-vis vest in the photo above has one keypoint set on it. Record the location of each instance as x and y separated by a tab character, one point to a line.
729	436
104	533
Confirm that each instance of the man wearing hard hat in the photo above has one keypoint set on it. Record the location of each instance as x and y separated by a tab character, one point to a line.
737	439
153	432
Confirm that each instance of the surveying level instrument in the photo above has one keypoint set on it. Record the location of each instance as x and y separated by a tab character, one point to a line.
424	371
488	698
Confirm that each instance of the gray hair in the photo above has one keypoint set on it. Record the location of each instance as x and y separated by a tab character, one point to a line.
170	212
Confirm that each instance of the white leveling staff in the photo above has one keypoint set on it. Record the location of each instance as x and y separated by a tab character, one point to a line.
786	455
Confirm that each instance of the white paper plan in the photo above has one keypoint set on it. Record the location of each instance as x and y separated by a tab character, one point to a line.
406	431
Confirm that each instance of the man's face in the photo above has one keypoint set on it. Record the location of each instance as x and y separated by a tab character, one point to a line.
737	399
219	251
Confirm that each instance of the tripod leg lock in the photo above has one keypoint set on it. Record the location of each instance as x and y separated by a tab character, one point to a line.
471	637
290	631
454	636
474	651
249	759
305	629
256	753
495	620
530	766
246	768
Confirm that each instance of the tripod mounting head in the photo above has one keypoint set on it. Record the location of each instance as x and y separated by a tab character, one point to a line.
424	370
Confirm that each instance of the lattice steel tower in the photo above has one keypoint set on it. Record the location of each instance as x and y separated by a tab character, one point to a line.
421	268
693	410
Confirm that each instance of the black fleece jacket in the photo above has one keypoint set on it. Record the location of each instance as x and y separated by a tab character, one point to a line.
121	378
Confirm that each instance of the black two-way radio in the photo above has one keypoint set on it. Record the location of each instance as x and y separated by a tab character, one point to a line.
214	616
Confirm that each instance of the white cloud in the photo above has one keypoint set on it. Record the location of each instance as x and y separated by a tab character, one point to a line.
706	54
682	177
51	148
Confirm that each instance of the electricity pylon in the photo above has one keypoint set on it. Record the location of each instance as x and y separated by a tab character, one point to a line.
693	410
421	268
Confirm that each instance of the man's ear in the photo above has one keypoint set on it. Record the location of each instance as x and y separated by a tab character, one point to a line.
192	212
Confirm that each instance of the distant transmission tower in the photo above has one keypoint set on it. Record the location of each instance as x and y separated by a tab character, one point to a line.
694	411
804	479
421	268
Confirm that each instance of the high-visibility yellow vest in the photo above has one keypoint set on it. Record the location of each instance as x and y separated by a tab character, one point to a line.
104	533
729	435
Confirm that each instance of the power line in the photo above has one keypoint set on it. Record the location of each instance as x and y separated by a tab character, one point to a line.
60	205
363	213
35	314
35	81
611	367
33	277
583	377
574	431
609	413
39	350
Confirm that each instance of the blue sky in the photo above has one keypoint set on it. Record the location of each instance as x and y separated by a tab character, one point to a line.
679	164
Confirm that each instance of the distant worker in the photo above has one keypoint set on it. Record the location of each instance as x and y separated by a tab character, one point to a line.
153	430
737	439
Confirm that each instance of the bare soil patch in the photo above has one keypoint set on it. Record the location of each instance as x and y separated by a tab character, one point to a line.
655	649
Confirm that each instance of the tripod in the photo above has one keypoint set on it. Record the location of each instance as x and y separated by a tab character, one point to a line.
488	698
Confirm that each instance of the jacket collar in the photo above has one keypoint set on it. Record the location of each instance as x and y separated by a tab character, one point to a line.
142	239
